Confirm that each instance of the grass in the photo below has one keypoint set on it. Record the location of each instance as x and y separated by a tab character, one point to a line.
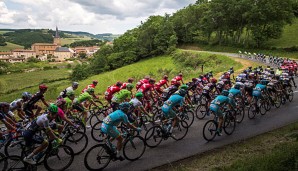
75	39
155	67
272	151
10	47
3	32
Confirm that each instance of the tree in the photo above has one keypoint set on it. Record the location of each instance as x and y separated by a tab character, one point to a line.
2	41
82	55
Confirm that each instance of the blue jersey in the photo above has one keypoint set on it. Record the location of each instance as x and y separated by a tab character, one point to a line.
220	100
260	87
115	118
233	92
173	101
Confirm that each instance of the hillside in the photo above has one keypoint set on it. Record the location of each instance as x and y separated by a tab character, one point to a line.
10	46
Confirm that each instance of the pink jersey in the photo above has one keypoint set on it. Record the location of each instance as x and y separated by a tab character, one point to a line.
61	113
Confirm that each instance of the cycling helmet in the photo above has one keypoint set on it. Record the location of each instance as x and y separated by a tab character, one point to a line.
225	93
60	102
184	86
90	90
213	80
237	86
165	77
124	106
129	86
194	79
75	84
94	81
151	80
182	92
43	87
180	74
26	95
130	80
147	77
4	104
70	93
53	108
119	84
139	94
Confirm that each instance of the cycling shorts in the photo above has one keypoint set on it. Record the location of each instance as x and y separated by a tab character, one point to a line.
168	112
216	110
30	138
110	130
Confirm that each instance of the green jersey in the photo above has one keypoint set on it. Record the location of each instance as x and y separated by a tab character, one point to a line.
68	103
83	97
120	96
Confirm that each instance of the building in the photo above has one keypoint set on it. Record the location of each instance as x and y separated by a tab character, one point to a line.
22	53
88	50
62	53
6	55
57	40
44	48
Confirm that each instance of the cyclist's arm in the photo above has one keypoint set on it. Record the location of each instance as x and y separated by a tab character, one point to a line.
44	102
7	124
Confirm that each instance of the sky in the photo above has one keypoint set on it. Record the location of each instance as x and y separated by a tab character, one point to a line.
93	16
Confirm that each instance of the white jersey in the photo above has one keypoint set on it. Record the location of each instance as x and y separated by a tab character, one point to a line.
14	105
43	121
136	103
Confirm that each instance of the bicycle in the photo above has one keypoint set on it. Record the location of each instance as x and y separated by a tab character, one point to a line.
133	148
210	128
157	133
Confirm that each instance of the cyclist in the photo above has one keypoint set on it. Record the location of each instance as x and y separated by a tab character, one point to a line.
17	104
110	123
70	95
177	99
93	85
73	87
216	105
8	122
235	92
138	106
176	79
31	104
142	81
129	81
41	123
147	89
122	96
78	103
112	90
162	83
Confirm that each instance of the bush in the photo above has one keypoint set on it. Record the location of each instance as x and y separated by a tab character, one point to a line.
80	72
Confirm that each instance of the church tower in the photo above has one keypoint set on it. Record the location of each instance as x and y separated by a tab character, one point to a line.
57	40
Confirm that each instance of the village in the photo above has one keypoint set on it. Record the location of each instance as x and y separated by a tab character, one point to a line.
47	51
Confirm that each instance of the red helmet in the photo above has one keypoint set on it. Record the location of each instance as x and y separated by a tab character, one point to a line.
94	81
213	80
119	84
43	87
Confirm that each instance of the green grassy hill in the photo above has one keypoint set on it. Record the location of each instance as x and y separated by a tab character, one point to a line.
10	46
155	67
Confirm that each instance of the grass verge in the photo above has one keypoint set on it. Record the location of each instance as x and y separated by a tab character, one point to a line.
273	151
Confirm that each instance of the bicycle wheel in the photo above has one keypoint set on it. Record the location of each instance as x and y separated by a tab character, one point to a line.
97	158
209	130
12	147
188	117
153	136
78	142
229	124
96	132
58	159
201	111
283	98
97	102
240	115
16	163
252	111
290	95
180	130
3	162
263	107
277	101
134	147
96	117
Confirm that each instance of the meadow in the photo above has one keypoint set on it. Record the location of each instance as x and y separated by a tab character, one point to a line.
10	47
68	41
57	79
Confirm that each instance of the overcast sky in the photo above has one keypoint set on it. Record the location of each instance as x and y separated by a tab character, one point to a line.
94	16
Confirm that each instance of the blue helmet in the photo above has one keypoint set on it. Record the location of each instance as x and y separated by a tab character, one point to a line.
124	106
26	95
225	93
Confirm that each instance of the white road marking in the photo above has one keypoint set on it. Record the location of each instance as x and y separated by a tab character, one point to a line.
295	91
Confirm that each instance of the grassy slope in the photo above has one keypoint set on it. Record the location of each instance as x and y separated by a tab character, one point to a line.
71	40
155	67
10	46
262	152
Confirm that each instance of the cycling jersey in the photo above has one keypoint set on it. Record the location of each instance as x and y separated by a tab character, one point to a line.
145	88
41	122
35	98
83	97
14	105
260	86
60	115
63	93
120	96
88	86
160	84
136	103
110	91
68	102
176	79
141	82
233	92
124	86
168	105
218	102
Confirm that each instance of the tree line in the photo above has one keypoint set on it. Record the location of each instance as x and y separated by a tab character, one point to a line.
247	23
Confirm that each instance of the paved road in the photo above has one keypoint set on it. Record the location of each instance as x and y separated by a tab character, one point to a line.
194	143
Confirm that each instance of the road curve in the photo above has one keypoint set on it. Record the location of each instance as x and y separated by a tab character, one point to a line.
170	150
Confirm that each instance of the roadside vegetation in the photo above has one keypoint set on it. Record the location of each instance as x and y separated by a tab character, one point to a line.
273	151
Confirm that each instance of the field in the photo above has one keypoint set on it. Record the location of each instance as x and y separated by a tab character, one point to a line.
154	67
74	39
10	46
2	32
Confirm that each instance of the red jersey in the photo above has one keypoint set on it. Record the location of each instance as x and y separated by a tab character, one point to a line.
141	82
88	86
110	91
161	83
123	86
146	87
